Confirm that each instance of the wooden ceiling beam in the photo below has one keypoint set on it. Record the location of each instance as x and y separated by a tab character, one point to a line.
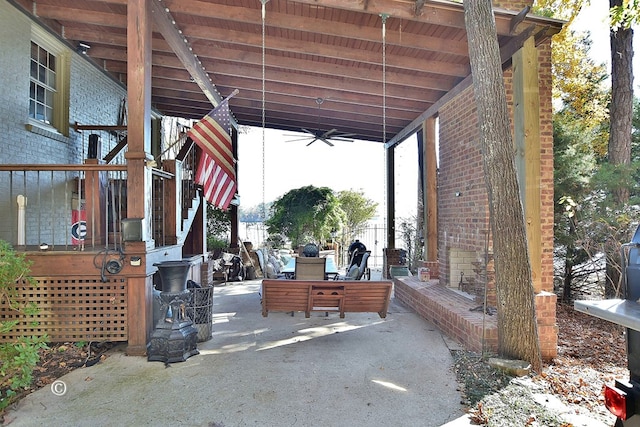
295	114
83	16
252	79
308	85
240	58
286	102
166	26
438	13
396	111
353	98
286	45
253	74
325	50
283	21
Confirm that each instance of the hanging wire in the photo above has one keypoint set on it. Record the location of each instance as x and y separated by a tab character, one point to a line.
384	17
264	214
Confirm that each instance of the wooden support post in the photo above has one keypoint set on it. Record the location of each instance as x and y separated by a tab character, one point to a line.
527	141
95	198
431	191
233	210
139	289
391	199
171	202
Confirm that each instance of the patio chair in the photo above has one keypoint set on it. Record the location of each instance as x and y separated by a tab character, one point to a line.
310	268
363	270
356	272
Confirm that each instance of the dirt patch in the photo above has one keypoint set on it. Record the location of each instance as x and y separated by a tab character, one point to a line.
591	353
58	359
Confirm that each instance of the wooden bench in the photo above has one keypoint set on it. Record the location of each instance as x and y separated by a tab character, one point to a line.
344	296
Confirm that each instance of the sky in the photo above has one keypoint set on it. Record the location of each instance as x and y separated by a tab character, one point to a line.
594	18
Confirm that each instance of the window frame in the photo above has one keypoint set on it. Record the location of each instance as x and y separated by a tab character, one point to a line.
60	108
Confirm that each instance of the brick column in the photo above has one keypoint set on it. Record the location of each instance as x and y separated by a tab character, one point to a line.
545	303
390	257
206	273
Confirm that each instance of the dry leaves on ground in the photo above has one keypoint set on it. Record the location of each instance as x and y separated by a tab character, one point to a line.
591	353
58	359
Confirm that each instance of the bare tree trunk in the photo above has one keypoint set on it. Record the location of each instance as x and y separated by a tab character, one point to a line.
517	329
621	110
568	279
621	116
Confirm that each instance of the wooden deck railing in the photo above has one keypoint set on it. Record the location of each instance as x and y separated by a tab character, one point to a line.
78	207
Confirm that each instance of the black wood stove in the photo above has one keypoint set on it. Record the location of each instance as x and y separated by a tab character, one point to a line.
174	338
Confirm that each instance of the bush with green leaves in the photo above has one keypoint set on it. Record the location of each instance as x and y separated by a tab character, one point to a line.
18	358
218	228
305	215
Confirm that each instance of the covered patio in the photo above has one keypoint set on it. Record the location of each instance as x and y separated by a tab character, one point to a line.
377	71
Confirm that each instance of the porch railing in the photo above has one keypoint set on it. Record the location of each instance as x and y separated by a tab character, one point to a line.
78	207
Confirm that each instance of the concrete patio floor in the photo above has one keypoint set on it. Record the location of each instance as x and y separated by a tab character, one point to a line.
275	371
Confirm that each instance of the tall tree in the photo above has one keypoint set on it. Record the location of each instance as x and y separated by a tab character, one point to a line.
621	100
621	116
357	211
580	138
517	329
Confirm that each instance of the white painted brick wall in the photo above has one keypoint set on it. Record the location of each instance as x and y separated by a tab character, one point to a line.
94	99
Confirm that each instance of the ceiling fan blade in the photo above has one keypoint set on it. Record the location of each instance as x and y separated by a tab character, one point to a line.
326	141
308	131
329	132
306	138
312	141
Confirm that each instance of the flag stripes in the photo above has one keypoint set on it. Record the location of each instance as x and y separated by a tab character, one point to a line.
216	141
216	169
218	187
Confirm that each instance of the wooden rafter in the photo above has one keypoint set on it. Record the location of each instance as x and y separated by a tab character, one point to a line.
180	46
314	48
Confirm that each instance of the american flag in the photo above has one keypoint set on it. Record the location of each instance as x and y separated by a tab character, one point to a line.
216	168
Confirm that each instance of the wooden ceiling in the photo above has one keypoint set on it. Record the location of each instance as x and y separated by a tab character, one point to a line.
314	50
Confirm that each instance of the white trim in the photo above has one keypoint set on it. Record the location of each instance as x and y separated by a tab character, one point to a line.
45	39
60	50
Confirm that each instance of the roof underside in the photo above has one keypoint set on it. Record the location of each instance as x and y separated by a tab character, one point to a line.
323	59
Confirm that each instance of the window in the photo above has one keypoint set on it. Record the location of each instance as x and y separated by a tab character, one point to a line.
43	84
49	72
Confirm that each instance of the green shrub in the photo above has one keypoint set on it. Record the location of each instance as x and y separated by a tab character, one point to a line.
17	359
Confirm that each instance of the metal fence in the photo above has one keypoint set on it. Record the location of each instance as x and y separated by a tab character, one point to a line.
373	236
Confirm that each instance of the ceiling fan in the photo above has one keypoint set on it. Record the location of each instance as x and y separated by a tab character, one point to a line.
324	136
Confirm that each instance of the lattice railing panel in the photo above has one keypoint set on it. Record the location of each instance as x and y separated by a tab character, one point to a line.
72	310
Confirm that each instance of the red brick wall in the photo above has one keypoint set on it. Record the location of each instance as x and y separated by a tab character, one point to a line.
390	257
450	312
463	216
453	315
546	164
545	303
512	5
